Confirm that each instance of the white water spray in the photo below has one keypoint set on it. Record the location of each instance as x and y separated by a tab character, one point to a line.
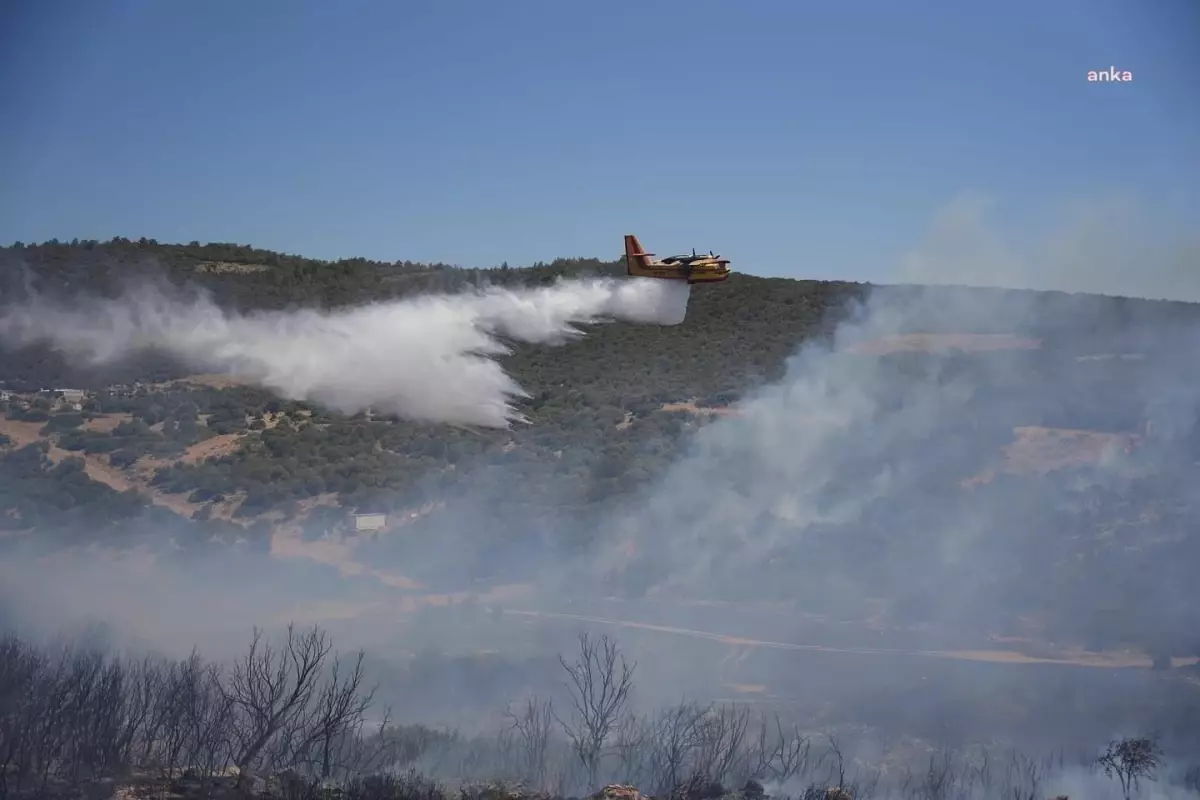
429	358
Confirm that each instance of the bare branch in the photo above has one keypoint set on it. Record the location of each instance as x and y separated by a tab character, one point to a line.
268	689
598	688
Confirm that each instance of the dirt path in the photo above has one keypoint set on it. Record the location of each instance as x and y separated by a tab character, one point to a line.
287	541
942	342
1097	660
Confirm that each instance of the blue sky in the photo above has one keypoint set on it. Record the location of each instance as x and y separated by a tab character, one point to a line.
808	139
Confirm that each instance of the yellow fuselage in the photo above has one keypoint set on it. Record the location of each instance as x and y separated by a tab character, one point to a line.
700	271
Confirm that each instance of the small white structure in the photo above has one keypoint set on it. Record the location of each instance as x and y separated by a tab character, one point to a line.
71	396
369	522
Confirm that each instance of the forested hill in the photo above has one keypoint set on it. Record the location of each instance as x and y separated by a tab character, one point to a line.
246	277
608	411
744	327
1045	387
206	448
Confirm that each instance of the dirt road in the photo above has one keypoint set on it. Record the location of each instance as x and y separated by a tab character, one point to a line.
1095	660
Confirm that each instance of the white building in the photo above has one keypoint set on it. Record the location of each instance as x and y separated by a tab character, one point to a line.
71	396
369	522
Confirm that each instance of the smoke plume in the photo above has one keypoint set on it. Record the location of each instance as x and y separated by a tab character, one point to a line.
430	358
1112	245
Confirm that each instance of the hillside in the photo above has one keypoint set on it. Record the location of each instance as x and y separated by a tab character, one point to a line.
1048	390
594	401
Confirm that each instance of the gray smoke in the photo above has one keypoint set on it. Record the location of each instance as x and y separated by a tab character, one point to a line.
1113	245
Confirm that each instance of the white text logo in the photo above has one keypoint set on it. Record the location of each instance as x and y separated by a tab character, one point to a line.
1112	74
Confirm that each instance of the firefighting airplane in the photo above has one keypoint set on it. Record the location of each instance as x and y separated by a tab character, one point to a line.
693	269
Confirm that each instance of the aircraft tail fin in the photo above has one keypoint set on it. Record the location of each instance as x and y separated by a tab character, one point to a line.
636	258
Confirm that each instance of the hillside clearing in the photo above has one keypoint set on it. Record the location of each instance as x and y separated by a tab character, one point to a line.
219	445
95	466
690	407
1038	450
